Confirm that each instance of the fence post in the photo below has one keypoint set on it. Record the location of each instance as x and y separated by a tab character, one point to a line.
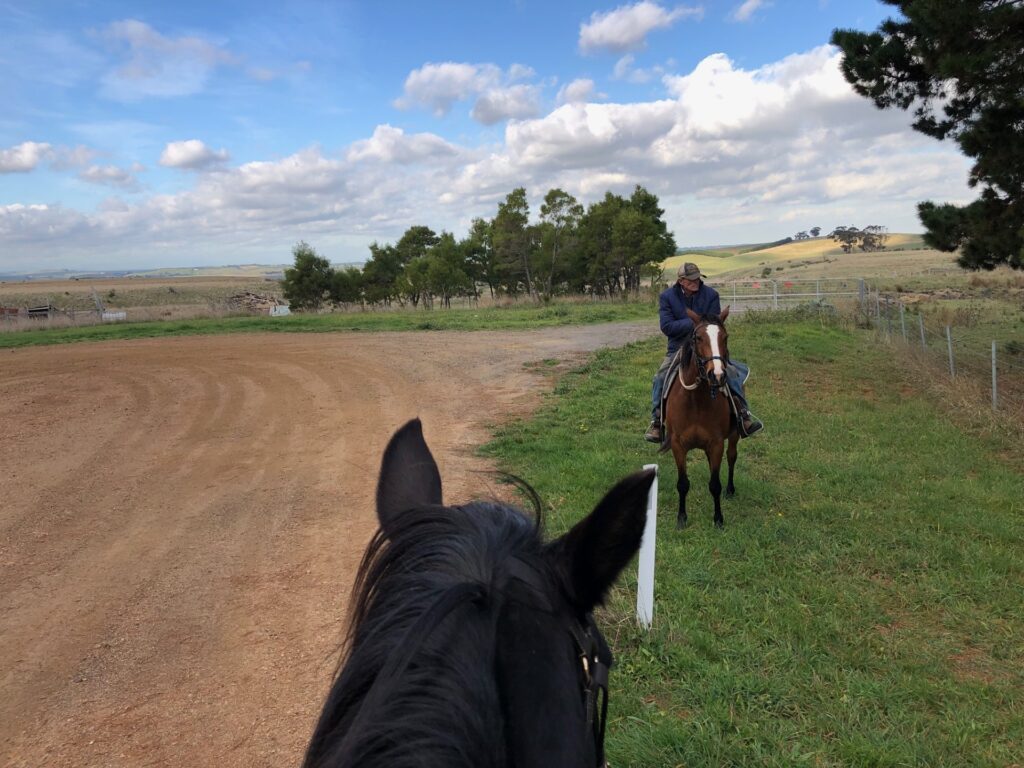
888	319
878	310
949	344
920	322
645	568
775	295
861	292
817	290
903	323
995	401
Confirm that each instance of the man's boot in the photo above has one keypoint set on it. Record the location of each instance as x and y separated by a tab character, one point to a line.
653	434
751	425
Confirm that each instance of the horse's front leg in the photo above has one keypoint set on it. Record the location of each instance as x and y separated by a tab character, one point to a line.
730	489
715	484
682	487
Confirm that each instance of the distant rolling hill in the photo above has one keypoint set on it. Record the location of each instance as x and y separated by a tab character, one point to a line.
744	260
231	270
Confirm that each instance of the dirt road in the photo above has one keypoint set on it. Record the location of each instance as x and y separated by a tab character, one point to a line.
180	521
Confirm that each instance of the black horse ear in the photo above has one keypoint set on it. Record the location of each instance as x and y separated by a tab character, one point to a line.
694	317
408	475
598	547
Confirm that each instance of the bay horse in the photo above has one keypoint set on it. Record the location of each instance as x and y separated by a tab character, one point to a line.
698	412
472	641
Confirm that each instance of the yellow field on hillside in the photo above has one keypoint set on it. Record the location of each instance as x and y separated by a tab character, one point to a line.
819	257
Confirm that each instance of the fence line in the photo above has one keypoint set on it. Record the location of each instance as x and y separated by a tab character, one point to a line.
775	294
965	355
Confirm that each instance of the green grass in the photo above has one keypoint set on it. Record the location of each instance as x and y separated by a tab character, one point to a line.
491	318
863	605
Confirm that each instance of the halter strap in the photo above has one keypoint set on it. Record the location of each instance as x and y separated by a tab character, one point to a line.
595	665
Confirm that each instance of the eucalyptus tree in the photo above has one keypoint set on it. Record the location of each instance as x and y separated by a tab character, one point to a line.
560	217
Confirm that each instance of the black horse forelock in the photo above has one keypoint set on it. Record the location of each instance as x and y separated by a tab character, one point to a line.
422	631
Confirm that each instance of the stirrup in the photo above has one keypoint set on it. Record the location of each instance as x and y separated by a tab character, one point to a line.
749	424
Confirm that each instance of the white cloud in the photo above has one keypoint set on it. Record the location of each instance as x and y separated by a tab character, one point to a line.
626	28
392	145
498	95
192	154
624	70
731	152
513	102
112	176
24	157
438	86
65	158
579	90
746	11
520	72
159	66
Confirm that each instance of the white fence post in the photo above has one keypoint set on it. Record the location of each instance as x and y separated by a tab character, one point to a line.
994	391
920	323
645	568
949	344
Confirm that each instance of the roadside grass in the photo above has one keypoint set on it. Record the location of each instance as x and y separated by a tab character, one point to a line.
862	605
488	318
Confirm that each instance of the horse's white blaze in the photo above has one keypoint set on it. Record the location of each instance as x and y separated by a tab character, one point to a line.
713	338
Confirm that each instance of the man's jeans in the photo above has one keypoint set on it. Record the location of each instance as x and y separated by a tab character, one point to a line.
736	374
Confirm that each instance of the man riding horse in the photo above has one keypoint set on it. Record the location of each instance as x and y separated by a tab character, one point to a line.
690	292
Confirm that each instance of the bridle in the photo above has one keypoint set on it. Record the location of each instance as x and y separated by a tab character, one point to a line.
596	661
702	363
595	658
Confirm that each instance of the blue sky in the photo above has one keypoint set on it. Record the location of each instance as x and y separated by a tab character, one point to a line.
156	134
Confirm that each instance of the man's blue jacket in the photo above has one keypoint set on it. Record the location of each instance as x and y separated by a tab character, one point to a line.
672	306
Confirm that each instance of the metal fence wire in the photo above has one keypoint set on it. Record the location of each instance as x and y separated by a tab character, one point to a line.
955	345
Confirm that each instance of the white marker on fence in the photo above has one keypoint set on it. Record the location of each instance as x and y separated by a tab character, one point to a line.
645	569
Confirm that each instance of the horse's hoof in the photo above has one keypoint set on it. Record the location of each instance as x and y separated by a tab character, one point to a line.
680	523
719	524
730	492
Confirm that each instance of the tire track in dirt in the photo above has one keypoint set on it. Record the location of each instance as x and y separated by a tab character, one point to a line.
181	523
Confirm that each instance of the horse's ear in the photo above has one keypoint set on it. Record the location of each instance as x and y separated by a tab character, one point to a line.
408	475
597	549
693	316
725	314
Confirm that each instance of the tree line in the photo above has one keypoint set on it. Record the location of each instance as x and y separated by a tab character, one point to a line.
608	248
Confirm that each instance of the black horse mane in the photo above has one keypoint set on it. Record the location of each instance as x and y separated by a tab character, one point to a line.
422	631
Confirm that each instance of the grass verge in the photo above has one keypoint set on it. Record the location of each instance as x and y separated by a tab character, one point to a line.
490	318
863	604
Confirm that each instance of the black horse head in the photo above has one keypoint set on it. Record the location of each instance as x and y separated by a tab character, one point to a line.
471	641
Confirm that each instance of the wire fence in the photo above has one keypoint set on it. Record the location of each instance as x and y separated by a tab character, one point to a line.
781	294
952	345
939	343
